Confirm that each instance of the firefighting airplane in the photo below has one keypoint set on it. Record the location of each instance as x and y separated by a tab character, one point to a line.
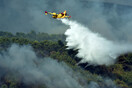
60	15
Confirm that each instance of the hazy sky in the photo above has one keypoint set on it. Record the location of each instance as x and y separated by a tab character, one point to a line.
110	20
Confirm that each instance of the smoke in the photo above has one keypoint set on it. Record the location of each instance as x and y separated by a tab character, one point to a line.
22	63
92	47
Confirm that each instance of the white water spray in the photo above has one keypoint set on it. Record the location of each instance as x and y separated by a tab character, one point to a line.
92	47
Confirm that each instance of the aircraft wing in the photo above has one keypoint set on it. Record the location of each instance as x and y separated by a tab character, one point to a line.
46	12
50	13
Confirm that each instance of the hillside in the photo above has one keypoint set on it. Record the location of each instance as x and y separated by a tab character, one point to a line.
118	75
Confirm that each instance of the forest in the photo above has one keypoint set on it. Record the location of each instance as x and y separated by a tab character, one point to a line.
54	46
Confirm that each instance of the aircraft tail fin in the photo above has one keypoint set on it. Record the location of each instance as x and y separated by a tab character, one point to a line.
64	12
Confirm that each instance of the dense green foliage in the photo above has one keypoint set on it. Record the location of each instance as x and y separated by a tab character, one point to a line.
46	45
34	36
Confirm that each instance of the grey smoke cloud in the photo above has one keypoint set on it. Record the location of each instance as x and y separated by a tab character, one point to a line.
23	63
110	20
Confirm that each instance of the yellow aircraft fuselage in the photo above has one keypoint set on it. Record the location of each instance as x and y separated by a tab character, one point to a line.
60	15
